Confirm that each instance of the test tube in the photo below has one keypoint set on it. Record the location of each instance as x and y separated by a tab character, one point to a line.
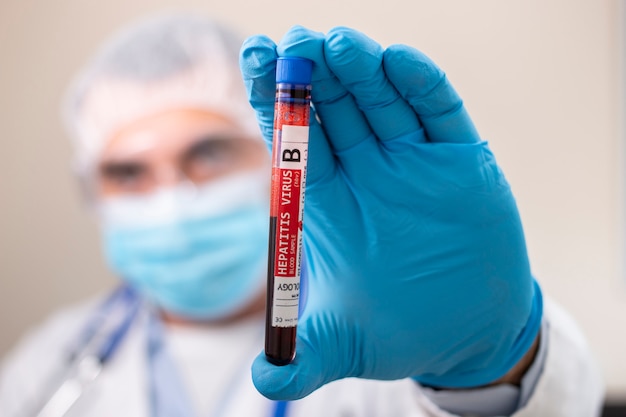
289	164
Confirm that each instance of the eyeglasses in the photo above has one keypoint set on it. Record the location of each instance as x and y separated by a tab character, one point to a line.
199	162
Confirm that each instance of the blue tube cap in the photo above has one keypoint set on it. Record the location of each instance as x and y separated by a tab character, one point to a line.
294	70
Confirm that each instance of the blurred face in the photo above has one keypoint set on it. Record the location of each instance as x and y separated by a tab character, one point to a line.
204	260
168	148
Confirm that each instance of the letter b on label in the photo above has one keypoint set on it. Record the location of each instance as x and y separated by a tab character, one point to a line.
291	155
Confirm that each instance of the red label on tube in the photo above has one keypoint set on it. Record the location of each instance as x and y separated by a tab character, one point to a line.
287	231
287	206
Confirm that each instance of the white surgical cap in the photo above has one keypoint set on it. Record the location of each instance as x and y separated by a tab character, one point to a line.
161	63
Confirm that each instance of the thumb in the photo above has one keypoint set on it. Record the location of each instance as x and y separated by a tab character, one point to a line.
325	351
290	382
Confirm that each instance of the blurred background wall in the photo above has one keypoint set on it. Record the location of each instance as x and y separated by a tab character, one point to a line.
543	81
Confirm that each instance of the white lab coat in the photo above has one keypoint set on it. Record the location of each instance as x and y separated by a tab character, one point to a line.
570	385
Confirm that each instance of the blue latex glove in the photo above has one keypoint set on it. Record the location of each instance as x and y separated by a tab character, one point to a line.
417	260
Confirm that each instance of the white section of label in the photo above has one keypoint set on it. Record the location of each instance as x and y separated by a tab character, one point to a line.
294	143
285	303
298	134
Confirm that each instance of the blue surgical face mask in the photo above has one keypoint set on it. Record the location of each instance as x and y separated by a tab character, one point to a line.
198	252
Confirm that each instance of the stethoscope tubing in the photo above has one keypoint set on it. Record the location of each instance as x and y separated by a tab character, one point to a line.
88	365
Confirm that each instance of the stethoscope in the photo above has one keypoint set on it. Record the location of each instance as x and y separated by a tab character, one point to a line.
98	342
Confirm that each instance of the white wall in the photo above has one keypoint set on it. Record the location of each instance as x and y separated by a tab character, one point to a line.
541	79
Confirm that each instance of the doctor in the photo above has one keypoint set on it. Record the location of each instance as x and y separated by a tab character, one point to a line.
421	301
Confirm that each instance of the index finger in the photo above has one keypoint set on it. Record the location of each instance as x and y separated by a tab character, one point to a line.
357	61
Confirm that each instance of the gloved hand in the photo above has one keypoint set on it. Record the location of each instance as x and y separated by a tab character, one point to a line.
417	261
